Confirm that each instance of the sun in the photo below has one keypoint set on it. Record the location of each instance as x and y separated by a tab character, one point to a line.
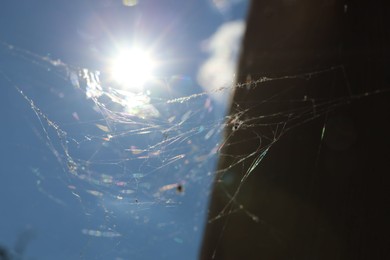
132	68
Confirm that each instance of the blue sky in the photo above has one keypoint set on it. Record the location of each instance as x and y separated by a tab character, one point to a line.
91	171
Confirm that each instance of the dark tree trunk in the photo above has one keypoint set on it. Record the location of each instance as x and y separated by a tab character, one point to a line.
323	110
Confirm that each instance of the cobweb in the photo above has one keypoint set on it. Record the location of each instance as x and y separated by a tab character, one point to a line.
147	158
140	165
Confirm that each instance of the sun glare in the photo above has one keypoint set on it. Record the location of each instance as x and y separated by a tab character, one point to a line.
131	68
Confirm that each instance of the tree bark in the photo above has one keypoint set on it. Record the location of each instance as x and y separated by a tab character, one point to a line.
312	108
